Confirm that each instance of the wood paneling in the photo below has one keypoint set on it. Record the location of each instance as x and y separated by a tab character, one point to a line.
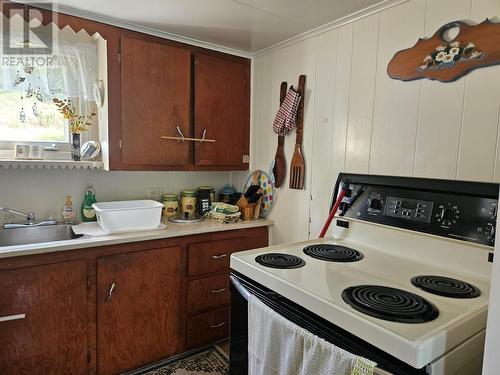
417	129
52	338
326	67
208	292
479	153
396	103
361	94
156	96
138	321
207	327
221	109
440	119
294	213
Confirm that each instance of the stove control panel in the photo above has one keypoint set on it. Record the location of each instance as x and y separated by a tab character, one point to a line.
409	209
463	217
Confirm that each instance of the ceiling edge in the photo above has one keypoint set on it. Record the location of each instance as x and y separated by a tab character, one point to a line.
386	4
146	30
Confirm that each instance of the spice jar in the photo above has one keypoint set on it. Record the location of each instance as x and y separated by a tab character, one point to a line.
188	202
171	203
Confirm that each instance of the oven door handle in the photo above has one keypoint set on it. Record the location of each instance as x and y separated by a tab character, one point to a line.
240	288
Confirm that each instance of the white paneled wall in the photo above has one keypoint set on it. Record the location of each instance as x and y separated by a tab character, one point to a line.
359	120
45	190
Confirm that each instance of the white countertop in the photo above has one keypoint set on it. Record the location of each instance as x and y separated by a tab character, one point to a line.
171	230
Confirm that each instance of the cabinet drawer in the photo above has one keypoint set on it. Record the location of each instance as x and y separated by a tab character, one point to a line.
208	327
212	257
208	292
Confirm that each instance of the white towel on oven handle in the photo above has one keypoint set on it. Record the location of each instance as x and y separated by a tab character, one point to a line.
276	346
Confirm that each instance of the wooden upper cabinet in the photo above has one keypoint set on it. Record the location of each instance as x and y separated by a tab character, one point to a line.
222	109
138	309
43	319
155	99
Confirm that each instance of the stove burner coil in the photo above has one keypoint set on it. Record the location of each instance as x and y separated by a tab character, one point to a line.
445	286
280	260
390	304
333	253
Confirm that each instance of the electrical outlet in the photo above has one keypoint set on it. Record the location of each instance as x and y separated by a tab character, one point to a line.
154	193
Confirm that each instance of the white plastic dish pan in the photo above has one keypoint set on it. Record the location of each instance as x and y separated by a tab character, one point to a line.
128	216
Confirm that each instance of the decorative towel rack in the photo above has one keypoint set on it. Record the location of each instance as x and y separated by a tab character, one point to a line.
182	138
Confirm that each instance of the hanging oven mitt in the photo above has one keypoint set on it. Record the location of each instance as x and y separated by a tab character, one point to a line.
285	118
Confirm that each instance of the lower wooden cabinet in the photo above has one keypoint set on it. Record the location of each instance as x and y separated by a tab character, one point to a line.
107	310
207	327
208	292
43	319
138	308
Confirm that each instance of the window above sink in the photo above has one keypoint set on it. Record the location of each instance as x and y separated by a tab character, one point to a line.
72	68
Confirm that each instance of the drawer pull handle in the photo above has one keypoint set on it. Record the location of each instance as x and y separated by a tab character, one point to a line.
217	325
218	290
110	292
219	256
8	318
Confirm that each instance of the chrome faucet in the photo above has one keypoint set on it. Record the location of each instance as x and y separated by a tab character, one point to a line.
30	219
30	216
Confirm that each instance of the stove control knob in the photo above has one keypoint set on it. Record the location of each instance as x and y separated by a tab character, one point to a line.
447	214
376	204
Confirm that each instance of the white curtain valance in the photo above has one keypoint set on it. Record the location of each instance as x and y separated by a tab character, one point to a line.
69	71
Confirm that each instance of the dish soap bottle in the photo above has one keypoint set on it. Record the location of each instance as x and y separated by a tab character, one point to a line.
88	213
68	213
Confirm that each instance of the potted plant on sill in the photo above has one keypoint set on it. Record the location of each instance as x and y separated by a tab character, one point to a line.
77	124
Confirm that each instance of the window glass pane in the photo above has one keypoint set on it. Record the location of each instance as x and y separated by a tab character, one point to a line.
43	122
29	83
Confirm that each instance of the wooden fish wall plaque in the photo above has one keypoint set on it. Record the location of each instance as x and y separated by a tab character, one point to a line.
447	60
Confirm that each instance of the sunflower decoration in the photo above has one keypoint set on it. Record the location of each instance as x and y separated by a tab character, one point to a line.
77	123
449	54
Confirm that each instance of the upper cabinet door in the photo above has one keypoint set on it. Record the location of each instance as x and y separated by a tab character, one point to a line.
155	99
221	110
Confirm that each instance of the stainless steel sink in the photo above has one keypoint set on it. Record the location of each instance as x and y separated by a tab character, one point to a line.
30	235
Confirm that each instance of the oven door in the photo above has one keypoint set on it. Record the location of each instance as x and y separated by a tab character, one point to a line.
238	344
242	288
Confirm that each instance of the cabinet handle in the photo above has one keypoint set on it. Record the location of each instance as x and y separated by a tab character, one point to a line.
180	133
217	325
218	290
203	135
219	256
110	292
182	138
8	318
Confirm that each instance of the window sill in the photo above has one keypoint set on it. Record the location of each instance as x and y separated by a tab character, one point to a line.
50	164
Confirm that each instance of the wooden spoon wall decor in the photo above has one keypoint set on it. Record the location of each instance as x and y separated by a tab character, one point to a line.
445	60
279	169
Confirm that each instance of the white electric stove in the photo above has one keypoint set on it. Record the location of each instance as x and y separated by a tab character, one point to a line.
403	279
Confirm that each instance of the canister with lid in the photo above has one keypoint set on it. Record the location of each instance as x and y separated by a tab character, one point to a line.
204	200
212	192
188	202
171	204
